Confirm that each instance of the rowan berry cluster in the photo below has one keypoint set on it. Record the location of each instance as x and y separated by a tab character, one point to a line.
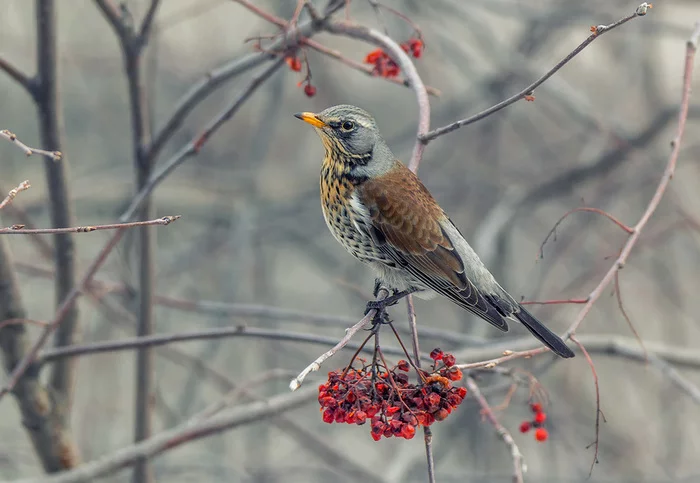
537	422
295	65
385	397
384	66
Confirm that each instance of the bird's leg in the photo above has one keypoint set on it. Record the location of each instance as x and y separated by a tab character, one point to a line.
381	305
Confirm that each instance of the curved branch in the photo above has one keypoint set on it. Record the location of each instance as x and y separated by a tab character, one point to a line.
404	62
596	32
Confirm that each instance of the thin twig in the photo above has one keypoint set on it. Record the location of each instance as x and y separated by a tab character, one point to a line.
12	137
19	230
369	70
598	31
349	333
263	14
193	147
598	211
24	185
20	77
598	411
427	432
518	463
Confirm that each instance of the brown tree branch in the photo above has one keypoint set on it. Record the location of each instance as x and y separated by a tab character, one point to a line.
597	32
49	109
41	413
18	230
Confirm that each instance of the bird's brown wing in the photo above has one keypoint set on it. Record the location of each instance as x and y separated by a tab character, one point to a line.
405	224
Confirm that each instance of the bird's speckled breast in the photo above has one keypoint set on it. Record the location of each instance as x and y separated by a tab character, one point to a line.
344	219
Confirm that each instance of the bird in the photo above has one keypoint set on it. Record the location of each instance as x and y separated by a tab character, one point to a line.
381	213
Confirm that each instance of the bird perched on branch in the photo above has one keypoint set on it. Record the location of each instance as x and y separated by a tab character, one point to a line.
383	215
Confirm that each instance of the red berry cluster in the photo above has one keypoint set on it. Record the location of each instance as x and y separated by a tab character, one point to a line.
538	420
393	405
384	66
295	65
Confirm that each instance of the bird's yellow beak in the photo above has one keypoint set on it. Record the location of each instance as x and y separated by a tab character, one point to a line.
311	118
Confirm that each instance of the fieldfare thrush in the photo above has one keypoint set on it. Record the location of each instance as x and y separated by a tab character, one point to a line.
382	214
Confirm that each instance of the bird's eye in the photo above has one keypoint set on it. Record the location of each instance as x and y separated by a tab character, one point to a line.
348	126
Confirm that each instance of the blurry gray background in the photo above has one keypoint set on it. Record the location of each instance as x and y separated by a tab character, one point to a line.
252	231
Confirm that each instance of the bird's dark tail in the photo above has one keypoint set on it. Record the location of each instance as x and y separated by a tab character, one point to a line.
546	336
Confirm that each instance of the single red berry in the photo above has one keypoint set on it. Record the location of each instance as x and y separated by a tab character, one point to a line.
328	416
462	391
293	63
449	360
454	374
408	432
374	56
540	417
432	400
360	417
392	410
401	379
309	90
403	365
541	434
376	436
436	354
441	414
525	426
536	407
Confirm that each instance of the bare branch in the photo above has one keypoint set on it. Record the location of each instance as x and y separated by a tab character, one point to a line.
596	32
54	155
349	333
147	23
335	54
19	230
20	77
24	185
518	462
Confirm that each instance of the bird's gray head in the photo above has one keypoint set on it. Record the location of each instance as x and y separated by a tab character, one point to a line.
351	138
